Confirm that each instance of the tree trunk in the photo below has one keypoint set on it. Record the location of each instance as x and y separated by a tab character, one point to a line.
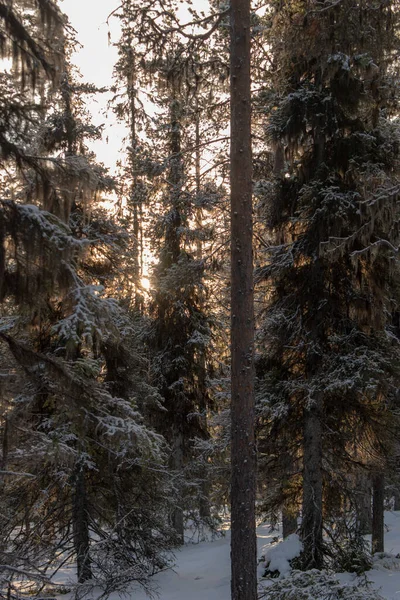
243	455
172	233
4	457
204	500
289	521
364	505
136	201
396	505
290	509
311	528
197	168
378	524
81	526
177	464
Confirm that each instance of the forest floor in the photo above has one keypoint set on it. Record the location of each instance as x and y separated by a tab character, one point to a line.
202	570
387	581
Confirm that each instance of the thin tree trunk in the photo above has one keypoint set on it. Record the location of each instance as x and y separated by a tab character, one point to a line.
81	526
135	193
378	524
311	528
177	464
243	455
173	251
3	465
290	509
4	457
204	500
172	234
199	212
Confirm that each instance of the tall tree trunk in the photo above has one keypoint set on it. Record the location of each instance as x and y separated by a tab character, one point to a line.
3	466
81	526
396	505
311	528
199	211
177	464
204	500
289	521
4	457
378	523
135	193
290	509
172	234
171	257
364	505
243	455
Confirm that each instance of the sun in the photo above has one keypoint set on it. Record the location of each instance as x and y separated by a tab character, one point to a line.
145	283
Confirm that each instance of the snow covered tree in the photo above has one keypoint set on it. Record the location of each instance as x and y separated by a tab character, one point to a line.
329	364
95	483
180	330
177	198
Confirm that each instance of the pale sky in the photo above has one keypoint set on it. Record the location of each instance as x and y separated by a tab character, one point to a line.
96	61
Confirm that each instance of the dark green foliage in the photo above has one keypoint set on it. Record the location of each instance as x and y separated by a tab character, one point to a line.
95	485
333	217
318	584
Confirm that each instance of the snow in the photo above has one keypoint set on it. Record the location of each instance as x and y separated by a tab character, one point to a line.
387	580
202	571
278	556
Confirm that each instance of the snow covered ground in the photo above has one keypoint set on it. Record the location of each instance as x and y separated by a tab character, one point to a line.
384	579
202	571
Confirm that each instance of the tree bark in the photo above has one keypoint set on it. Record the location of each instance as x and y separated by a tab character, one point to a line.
378	523
81	526
4	457
204	501
396	504
311	528
177	464
289	522
136	201
172	234
364	505
290	509
243	455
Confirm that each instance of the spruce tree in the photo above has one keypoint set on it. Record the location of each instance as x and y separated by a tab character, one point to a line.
95	483
177	201
329	366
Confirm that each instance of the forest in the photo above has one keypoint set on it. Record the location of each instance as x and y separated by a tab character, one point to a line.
205	339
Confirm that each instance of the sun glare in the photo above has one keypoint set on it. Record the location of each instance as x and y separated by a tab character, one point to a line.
145	281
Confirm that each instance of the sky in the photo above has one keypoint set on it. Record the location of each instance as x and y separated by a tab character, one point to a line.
96	60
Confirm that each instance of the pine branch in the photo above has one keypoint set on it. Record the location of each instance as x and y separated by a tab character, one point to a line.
18	32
